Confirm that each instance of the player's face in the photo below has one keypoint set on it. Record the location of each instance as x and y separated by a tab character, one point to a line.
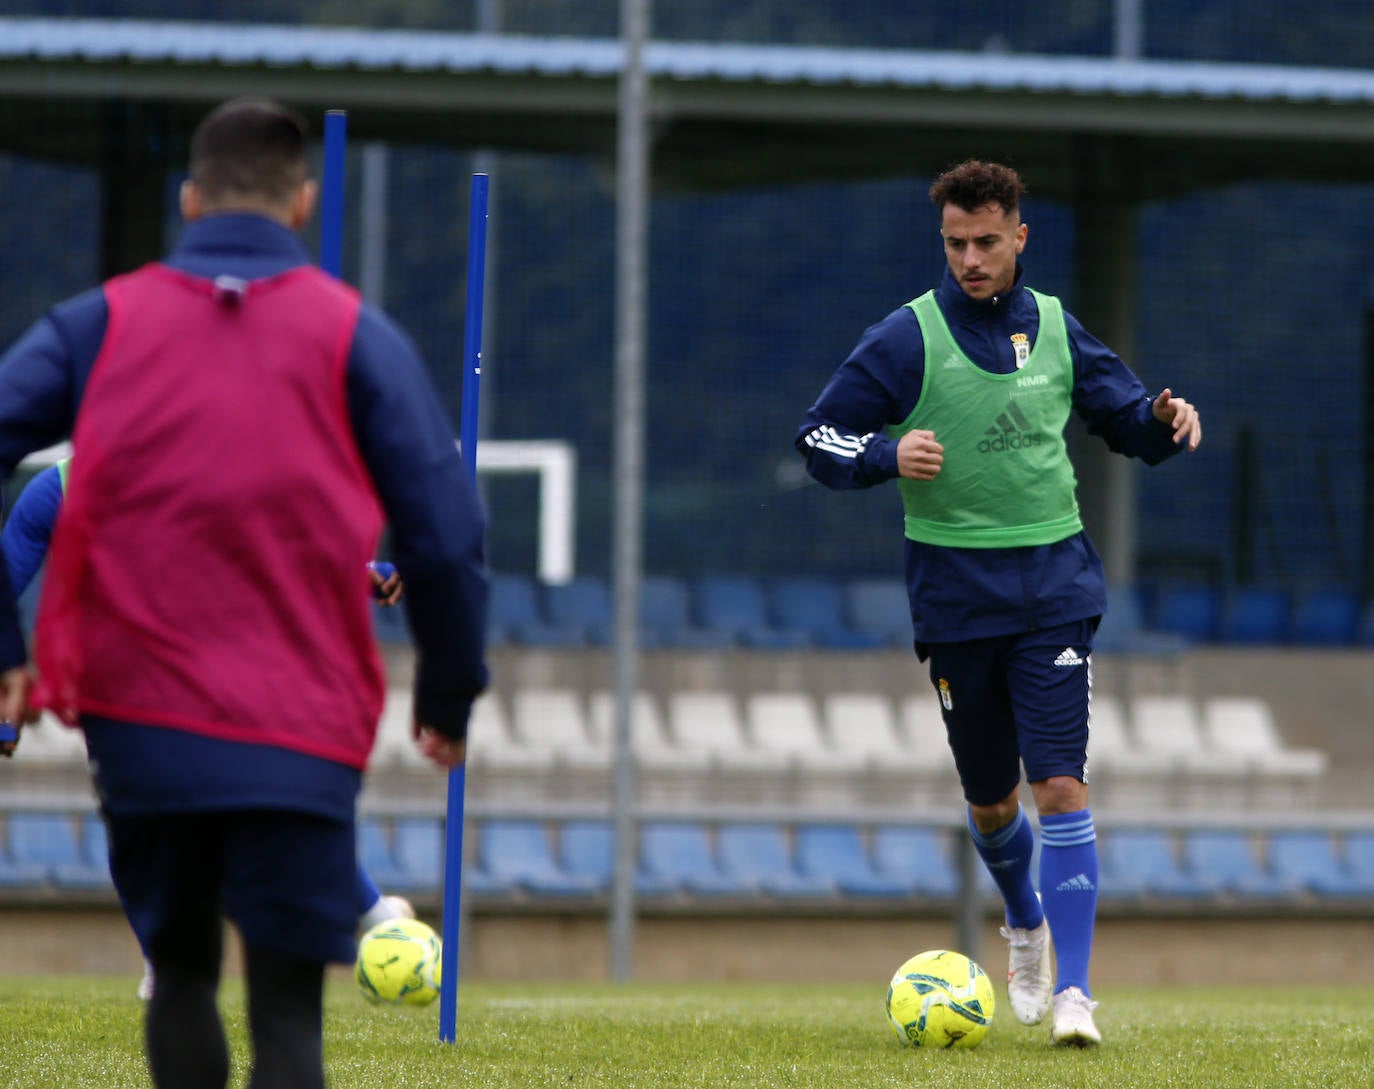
981	247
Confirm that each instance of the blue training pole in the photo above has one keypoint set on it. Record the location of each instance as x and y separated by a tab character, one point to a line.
467	435
332	192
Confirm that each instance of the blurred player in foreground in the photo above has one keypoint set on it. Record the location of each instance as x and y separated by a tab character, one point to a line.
962	396
24	542
245	424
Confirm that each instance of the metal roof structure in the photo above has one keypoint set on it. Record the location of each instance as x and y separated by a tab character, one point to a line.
724	114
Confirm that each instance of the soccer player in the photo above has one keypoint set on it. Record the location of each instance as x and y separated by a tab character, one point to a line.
24	543
245	425
962	396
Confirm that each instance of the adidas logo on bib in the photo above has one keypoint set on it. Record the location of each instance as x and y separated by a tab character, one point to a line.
1068	657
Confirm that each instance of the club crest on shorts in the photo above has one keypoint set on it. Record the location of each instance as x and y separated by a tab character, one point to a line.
946	700
1020	344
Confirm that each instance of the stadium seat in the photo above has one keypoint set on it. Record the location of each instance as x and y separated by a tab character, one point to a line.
710	723
787	723
649	739
677	855
518	852
17	870
665	616
377	857
1143	862
758	856
1193	611
41	843
916	854
552	721
1226	861
586	848
836	853
816	606
514	615
419	852
926	737
1170	727
493	745
864	725
50	742
1123	629
1254	616
735	608
1308	860
880	608
91	870
1244	727
582	605
1326	618
1359	856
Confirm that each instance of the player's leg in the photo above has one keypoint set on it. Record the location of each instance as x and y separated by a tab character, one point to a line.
969	678
289	886
1050	674
166	869
373	907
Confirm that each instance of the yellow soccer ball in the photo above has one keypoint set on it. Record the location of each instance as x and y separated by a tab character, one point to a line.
940	999
398	963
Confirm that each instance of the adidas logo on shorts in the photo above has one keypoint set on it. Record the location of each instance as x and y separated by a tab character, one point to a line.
1068	657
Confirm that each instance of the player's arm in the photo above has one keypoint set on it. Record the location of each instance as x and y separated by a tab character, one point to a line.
842	435
28	528
435	523
1114	404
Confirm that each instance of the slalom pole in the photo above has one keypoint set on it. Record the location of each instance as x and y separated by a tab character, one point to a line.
332	192
467	437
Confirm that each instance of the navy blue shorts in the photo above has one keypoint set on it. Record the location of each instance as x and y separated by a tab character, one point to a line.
1015	700
287	880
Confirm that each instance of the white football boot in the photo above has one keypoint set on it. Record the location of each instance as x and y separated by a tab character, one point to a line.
145	985
1030	978
1073	1020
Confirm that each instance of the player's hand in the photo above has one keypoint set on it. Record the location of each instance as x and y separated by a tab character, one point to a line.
919	456
386	582
439	749
15	708
1181	416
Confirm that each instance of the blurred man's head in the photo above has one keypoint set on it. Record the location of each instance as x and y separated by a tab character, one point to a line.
980	222
250	155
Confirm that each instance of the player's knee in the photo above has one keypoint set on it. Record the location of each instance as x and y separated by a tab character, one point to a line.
1060	794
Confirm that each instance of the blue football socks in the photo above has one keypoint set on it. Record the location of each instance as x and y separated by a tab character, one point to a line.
1068	884
1007	855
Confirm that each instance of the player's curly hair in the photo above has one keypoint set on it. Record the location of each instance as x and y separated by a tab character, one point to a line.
974	183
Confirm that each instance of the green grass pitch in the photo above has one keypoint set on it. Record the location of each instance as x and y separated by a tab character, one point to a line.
81	1032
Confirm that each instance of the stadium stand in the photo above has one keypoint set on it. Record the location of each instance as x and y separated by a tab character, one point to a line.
553	721
665	616
586	849
519	854
39	846
1189	610
836	854
879	608
678	856
816	606
1244	729
91	868
48	742
1252	615
515	616
759	857
419	853
1170	728
736	609
1143	862
916	855
788	723
1326	618
865	725
581	605
710	723
1309	861
1226	861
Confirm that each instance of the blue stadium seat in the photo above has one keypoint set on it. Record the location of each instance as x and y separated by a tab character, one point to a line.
758	855
1359	856
41	843
586	848
816	606
835	853
1254	616
665	618
916	854
17	867
1193	611
419	852
518	852
677	855
736	608
1226	861
514	615
376	856
389	623
1123	629
1326	618
92	868
582	604
1143	862
881	608
1308	860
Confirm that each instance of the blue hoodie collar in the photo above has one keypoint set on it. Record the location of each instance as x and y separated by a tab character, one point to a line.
958	305
239	233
